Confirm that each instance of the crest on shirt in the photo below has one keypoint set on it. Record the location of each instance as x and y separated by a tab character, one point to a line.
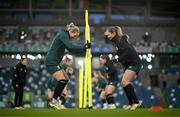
58	67
117	48
107	68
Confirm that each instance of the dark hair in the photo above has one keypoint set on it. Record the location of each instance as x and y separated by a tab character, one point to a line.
115	29
22	59
106	57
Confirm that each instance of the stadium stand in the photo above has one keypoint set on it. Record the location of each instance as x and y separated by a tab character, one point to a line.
35	91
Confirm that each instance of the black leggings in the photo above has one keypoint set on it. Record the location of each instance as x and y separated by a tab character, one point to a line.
18	95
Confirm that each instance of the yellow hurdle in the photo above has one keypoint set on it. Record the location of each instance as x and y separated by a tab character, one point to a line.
88	62
85	83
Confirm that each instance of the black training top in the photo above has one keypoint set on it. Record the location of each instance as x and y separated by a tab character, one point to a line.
19	74
126	52
111	70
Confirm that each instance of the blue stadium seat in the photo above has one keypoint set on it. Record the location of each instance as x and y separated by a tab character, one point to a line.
37	83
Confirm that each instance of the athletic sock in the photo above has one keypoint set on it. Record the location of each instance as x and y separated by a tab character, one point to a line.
59	88
128	96
49	100
110	99
63	100
103	101
131	92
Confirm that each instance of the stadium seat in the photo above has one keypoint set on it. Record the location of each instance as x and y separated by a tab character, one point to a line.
10	97
39	104
37	83
2	105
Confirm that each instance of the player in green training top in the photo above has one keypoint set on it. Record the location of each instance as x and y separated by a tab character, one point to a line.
66	65
100	87
63	40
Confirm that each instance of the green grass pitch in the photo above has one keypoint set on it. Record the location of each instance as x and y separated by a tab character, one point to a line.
88	113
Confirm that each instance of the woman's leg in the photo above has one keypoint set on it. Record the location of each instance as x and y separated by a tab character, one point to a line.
61	83
109	94
102	95
59	75
16	97
63	96
103	99
21	91
50	94
128	88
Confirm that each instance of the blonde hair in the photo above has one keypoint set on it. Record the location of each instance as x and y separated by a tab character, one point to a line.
67	57
115	29
73	28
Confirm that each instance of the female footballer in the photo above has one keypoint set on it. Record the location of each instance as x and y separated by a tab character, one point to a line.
100	87
63	40
112	78
18	82
129	58
66	66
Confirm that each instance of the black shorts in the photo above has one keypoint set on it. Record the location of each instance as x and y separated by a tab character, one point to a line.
134	67
113	82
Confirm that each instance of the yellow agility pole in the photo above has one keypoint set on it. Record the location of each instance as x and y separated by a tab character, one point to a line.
88	77
81	75
85	88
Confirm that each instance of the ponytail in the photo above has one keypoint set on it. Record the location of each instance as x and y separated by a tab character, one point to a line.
115	29
118	31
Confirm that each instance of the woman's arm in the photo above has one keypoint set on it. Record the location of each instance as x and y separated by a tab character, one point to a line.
14	72
111	68
70	45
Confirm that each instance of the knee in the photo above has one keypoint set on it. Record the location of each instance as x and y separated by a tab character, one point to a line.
64	95
60	78
124	83
102	97
59	75
108	93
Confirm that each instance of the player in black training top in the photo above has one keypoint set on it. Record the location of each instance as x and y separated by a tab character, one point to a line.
18	82
111	76
129	58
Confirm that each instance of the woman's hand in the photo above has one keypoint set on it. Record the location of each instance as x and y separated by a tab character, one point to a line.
107	77
88	45
98	89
